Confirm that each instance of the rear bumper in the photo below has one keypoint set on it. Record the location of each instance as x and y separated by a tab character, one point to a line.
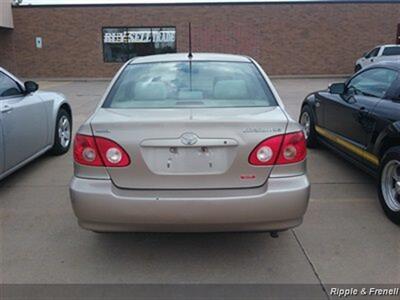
278	205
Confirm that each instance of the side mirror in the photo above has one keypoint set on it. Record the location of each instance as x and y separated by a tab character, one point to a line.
30	87
365	54
337	88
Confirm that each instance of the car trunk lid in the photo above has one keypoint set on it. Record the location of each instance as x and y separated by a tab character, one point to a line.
189	148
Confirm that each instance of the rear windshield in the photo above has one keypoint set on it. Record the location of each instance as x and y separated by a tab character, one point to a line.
195	85
388	51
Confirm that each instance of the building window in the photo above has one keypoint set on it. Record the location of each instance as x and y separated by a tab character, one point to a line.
121	44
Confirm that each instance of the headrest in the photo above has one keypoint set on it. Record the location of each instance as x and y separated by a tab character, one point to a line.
150	91
231	89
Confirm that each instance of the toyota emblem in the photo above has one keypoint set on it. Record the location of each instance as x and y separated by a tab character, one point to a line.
189	139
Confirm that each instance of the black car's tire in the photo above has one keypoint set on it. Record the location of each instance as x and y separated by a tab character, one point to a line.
388	189
357	68
308	121
62	133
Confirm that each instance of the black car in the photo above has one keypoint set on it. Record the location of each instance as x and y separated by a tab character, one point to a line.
360	119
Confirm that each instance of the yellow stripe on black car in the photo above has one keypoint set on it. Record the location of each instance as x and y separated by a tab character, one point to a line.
347	145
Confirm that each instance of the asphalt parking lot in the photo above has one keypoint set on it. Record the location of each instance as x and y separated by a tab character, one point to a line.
345	237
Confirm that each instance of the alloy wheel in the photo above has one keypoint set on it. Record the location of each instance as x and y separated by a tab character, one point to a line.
306	123
64	131
390	185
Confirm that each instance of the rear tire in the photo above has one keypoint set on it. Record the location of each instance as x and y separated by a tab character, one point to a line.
389	184
62	133
357	68
307	120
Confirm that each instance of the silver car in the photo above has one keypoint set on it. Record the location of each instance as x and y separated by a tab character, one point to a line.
31	123
181	143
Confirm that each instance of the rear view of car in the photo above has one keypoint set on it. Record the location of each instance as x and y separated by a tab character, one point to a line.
190	144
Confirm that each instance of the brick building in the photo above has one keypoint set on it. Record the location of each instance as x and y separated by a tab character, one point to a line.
285	37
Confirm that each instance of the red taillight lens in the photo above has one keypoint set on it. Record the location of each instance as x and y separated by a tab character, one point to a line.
98	151
269	146
280	149
86	152
113	155
293	148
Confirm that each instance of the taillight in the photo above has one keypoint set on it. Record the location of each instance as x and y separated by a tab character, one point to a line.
98	151
266	153
113	155
85	151
280	149
293	148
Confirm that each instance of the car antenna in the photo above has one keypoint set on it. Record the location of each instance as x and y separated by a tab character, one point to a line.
190	41
190	55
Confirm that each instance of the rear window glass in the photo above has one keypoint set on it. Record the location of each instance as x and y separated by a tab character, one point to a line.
389	51
184	84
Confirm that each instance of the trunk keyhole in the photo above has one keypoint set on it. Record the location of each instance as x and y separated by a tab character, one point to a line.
168	163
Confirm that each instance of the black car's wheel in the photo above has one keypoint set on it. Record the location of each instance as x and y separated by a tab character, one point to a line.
62	134
308	122
389	184
357	68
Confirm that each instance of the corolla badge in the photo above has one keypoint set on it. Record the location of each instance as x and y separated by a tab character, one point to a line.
261	130
189	139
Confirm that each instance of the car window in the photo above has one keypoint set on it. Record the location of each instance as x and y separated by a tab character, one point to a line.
182	84
372	53
373	82
8	87
389	51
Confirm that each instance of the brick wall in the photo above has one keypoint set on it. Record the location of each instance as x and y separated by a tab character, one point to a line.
284	38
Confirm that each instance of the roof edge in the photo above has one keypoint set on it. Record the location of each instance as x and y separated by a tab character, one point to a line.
209	2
